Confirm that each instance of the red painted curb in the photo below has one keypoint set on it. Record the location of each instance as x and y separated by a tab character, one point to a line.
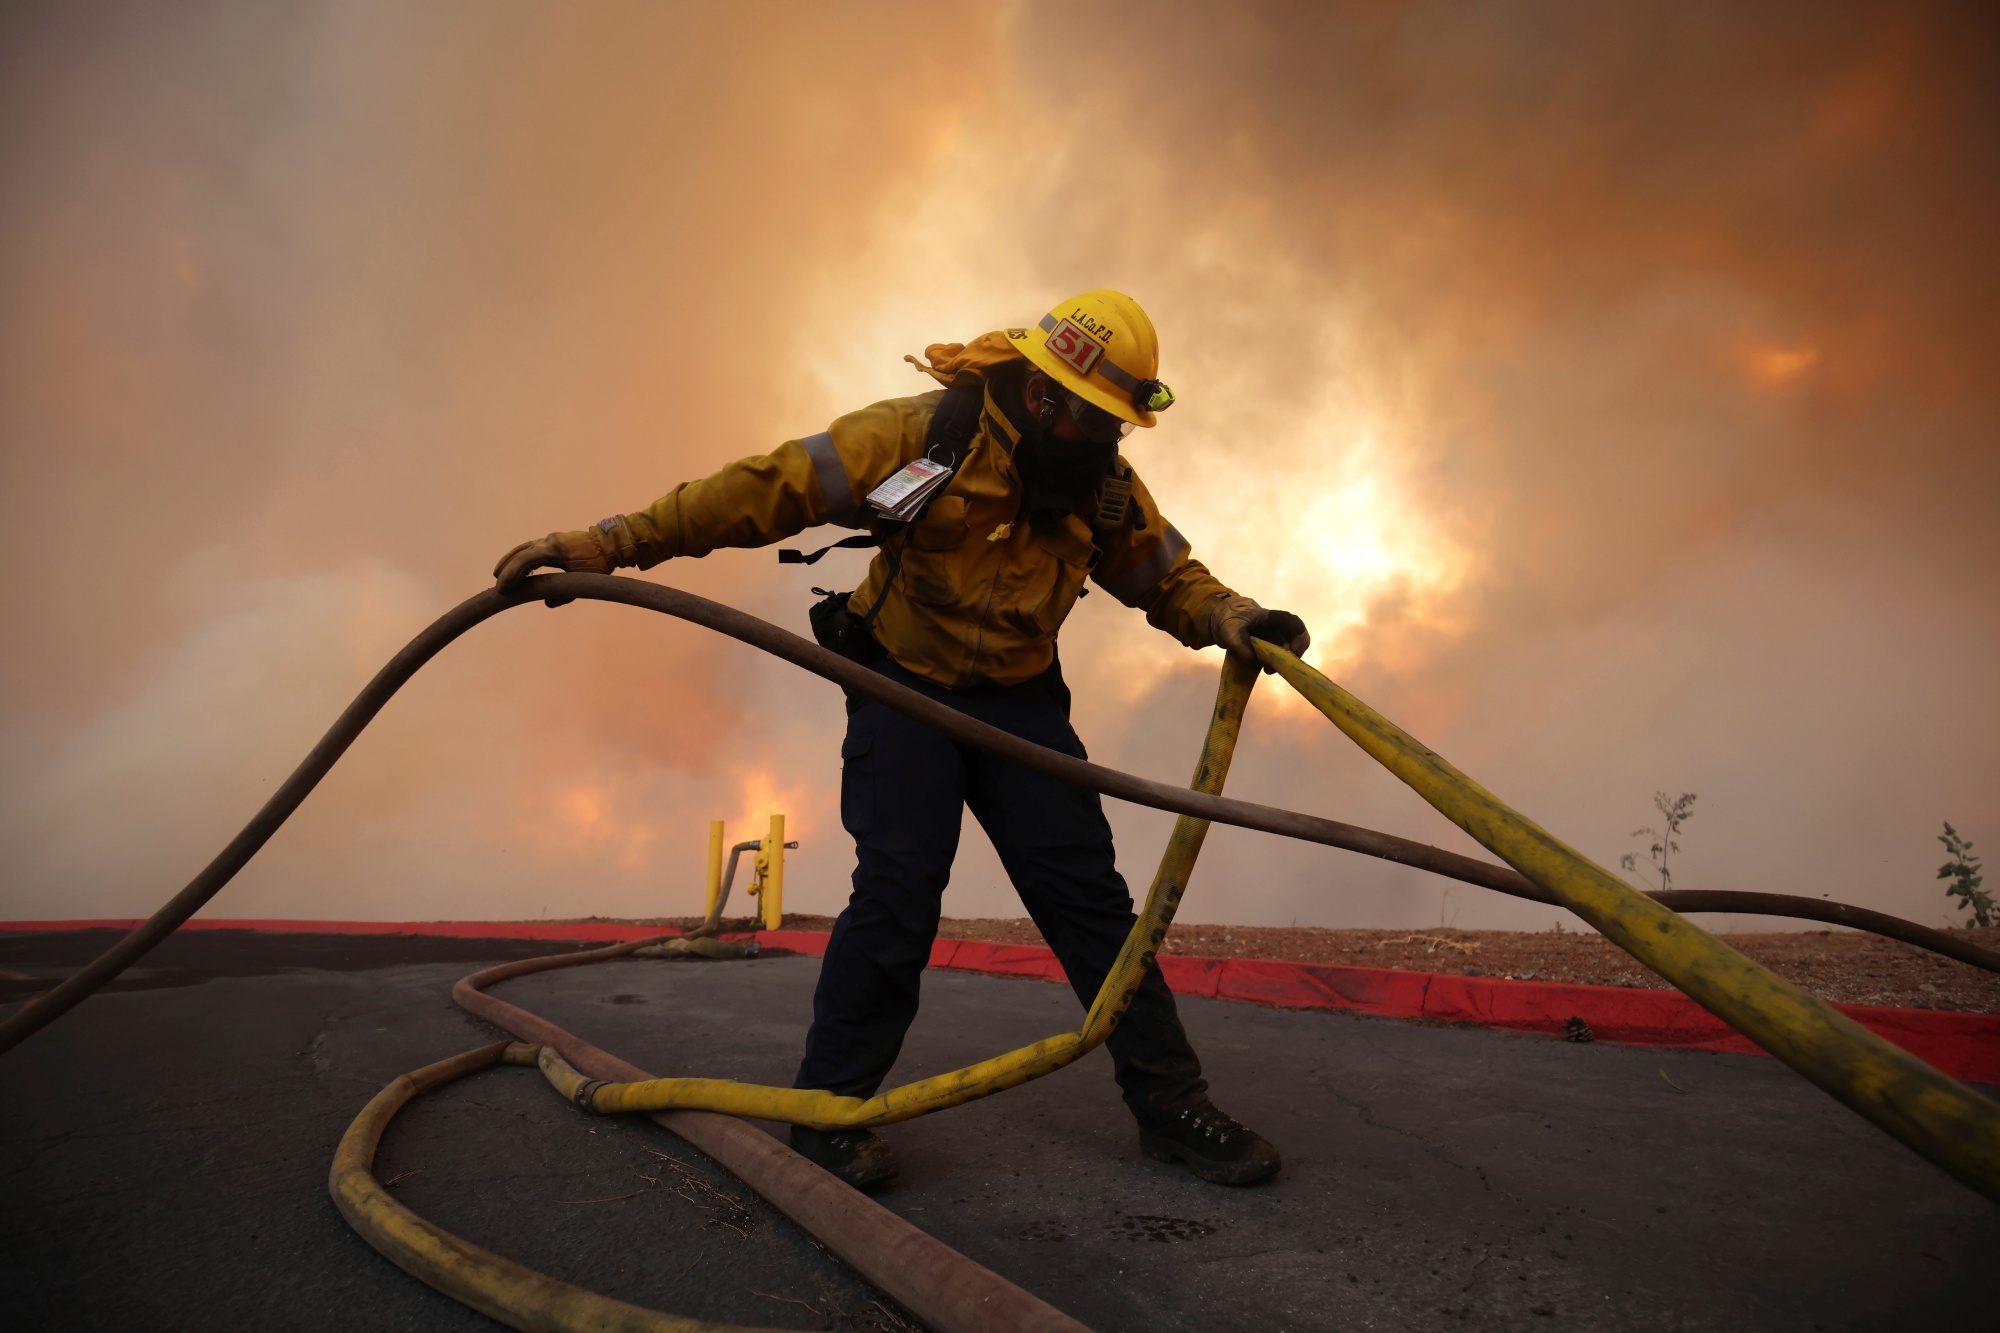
1964	1046
596	932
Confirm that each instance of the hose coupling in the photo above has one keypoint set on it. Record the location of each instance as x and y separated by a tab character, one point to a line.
586	1092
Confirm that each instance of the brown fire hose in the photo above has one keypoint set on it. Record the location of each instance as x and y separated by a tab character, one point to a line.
942	1287
560	589
933	1281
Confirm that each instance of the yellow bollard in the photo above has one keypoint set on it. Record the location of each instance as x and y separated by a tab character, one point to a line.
771	857
714	868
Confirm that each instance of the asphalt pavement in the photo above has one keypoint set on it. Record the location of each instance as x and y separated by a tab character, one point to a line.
165	1148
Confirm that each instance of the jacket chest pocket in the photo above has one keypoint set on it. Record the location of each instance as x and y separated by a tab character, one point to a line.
1057	563
932	558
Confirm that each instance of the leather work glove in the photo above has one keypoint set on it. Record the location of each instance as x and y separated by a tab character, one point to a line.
597	549
1234	621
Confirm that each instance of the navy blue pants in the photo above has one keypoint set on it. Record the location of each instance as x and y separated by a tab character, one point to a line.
903	791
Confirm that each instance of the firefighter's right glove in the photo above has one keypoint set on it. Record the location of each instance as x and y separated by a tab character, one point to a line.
597	549
1234	621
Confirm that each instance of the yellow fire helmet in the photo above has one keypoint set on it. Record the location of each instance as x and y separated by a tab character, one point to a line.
1101	347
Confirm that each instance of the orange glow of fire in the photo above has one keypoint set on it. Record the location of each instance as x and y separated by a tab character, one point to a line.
587	820
763	792
1774	367
1320	517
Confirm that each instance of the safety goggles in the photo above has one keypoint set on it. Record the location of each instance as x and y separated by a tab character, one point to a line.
1094	423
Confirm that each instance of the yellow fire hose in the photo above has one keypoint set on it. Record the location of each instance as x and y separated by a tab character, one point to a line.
941	1287
1935	1115
523	1298
1931	1112
824	1110
561	589
498	1288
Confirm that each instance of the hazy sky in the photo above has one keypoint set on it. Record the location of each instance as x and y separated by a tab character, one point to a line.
1615	391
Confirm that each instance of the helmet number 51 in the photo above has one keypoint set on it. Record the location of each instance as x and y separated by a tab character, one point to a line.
1075	347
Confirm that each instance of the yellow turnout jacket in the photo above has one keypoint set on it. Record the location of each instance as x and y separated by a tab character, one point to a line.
980	594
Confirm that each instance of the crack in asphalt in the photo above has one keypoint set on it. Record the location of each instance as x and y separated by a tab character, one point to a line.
1436	1150
1472	1277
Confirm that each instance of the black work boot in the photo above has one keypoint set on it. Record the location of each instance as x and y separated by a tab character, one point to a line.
1212	1144
854	1155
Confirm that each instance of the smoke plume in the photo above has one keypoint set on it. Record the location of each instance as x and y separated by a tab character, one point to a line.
1612	389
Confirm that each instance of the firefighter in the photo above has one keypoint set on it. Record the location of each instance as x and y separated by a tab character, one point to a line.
963	602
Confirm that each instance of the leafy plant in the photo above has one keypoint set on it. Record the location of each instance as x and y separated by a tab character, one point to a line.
1965	874
1674	813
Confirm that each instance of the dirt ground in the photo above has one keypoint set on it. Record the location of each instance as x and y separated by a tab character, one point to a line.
1843	966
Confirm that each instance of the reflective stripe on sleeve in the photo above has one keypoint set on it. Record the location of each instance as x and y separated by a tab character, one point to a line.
836	492
1143	577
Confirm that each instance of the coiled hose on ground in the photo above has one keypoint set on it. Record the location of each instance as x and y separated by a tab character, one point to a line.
1938	1117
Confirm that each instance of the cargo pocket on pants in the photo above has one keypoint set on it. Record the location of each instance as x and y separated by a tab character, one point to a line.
857	785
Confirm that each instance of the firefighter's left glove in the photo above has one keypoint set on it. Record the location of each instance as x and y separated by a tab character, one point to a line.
597	549
1234	621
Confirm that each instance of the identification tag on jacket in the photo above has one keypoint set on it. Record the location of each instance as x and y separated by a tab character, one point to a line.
899	498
